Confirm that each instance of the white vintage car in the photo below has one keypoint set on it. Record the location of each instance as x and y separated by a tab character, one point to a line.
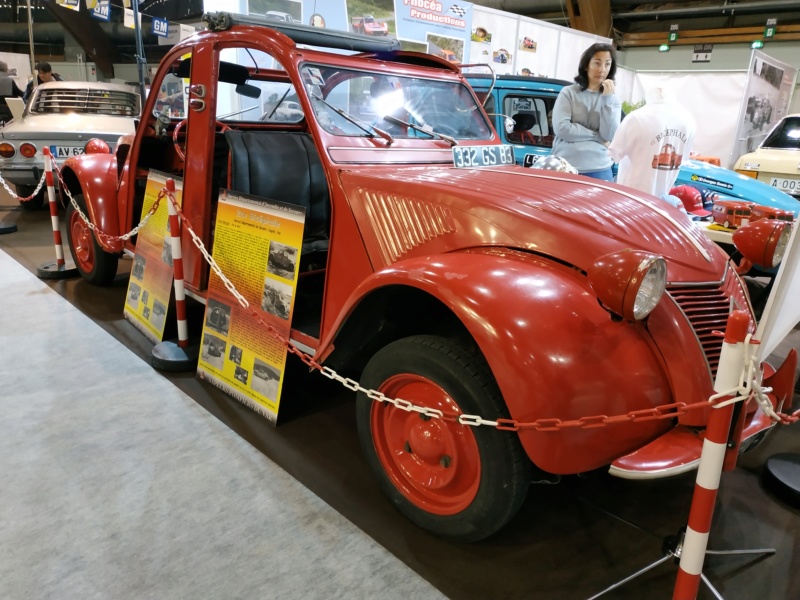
776	162
63	116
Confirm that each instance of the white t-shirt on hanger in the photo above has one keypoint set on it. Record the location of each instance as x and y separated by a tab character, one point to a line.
650	144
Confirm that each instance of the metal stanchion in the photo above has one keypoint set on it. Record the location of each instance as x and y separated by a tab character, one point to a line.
690	545
180	355
59	269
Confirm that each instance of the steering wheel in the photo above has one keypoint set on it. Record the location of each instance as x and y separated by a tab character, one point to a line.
222	127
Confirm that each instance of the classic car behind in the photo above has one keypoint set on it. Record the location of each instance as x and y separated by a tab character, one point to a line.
443	275
776	161
63	116
529	101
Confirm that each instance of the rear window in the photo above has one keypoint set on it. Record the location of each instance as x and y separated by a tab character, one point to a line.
86	101
786	136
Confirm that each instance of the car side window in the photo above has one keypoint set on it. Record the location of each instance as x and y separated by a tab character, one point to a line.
533	120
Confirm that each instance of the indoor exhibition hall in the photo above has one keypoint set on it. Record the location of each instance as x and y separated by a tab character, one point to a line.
399	299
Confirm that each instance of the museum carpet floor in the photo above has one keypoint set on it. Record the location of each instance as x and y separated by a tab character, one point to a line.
119	482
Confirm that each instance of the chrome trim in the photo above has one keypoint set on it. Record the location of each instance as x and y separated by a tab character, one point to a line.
658	474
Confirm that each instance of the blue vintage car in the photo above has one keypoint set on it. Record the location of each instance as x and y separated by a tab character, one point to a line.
529	101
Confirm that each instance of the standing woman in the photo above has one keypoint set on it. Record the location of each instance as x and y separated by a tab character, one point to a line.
586	115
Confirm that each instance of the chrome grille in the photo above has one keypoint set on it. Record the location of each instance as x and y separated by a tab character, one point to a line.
706	307
87	101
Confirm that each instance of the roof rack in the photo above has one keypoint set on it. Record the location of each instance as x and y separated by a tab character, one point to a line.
304	34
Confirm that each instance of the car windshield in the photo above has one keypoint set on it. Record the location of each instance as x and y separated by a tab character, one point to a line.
366	99
786	136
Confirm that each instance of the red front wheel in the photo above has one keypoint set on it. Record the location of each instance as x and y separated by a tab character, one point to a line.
94	264
455	480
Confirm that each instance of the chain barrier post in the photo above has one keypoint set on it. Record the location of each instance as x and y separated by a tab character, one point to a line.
58	269
169	355
712	457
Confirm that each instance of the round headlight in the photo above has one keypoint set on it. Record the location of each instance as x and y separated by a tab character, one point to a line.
763	242
629	283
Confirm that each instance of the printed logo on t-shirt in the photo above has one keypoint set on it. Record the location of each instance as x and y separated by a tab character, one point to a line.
669	156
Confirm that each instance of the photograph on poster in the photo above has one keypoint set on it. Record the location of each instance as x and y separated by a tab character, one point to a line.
139	263
448	48
501	56
277	298
480	35
134	291
218	316
235	355
158	315
373	18
266	379
281	260
540	60
241	374
527	44
145	297
213	351
166	251
290	11
146	312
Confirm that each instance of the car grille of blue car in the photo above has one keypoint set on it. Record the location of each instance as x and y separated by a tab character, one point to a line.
706	307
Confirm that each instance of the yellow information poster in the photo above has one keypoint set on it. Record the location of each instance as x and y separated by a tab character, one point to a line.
150	284
257	246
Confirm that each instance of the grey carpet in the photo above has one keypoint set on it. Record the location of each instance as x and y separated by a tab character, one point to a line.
116	485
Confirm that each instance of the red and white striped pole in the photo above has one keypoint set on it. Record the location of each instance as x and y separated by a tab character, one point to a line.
58	269
177	267
712	457
51	197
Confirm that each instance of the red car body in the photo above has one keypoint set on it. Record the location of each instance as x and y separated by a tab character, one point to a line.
491	262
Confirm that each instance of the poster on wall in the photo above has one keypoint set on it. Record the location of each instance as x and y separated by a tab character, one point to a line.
765	101
537	46
257	245
493	40
441	27
150	284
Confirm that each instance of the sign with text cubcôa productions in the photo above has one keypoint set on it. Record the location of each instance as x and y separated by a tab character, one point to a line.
257	246
150	284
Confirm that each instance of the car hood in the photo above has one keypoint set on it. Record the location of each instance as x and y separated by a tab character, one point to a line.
412	211
68	126
772	160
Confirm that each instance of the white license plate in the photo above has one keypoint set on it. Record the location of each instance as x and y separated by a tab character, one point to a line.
465	157
66	151
790	186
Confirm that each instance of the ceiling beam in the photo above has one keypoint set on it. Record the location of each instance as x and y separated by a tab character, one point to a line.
99	48
591	16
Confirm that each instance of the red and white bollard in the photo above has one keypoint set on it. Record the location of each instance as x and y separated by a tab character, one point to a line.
169	355
695	542
58	269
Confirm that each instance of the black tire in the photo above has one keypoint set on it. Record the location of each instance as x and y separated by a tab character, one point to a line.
95	265
466	503
36	203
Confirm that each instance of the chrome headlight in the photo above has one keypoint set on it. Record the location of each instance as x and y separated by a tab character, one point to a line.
629	283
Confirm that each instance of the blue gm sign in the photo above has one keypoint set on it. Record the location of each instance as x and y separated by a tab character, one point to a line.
102	10
160	27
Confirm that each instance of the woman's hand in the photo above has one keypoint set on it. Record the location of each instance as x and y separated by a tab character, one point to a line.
608	87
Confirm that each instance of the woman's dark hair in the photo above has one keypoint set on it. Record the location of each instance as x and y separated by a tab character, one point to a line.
582	78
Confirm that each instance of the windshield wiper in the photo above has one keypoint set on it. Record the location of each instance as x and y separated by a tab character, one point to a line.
435	134
362	125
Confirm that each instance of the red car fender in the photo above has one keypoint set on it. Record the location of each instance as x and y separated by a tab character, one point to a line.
97	176
554	351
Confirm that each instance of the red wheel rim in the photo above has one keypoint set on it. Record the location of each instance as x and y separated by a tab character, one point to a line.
434	463
82	242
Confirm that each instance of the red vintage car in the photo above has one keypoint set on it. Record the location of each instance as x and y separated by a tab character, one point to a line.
444	275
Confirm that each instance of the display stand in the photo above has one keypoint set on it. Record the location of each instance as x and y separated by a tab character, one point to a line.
689	545
177	356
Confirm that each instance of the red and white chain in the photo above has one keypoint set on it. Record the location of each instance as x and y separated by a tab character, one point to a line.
13	194
748	385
